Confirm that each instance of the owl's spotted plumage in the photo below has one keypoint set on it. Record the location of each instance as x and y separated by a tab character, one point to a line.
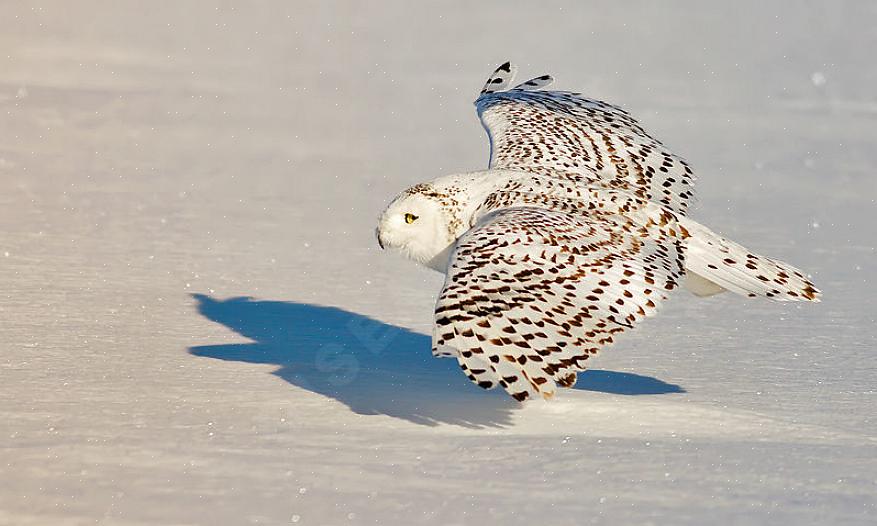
575	233
557	133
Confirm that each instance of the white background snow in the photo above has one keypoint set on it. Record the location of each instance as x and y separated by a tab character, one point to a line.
197	326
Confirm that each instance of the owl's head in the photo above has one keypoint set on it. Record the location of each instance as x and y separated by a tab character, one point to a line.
420	224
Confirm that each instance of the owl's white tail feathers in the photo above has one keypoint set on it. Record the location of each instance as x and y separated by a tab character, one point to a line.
715	264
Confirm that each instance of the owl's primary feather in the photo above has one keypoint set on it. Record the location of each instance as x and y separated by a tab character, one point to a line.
576	233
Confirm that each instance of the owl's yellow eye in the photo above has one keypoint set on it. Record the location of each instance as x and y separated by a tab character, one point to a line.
410	218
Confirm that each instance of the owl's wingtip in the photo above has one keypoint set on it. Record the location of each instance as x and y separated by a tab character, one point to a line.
500	79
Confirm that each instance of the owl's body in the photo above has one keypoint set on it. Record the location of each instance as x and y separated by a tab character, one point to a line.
576	233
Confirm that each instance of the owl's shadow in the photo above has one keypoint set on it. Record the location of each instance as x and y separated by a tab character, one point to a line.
373	367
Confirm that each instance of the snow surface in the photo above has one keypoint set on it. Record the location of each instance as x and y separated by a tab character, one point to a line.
198	327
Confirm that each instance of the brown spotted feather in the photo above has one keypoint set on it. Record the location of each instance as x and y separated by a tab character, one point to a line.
532	293
557	133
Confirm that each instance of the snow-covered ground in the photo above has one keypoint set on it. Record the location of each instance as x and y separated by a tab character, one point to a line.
197	326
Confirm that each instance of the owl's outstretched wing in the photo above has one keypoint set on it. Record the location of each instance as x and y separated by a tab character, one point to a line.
556	132
532	293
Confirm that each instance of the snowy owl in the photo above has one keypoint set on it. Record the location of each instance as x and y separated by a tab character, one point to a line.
576	232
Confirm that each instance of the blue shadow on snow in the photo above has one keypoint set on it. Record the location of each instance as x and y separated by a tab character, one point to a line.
374	367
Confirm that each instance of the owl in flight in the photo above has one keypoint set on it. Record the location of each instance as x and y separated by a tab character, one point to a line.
576	232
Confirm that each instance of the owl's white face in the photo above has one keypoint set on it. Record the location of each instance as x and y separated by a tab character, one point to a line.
418	227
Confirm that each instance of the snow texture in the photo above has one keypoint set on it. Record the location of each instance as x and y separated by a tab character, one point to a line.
199	328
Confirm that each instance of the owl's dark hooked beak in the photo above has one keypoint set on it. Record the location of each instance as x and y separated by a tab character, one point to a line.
378	235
